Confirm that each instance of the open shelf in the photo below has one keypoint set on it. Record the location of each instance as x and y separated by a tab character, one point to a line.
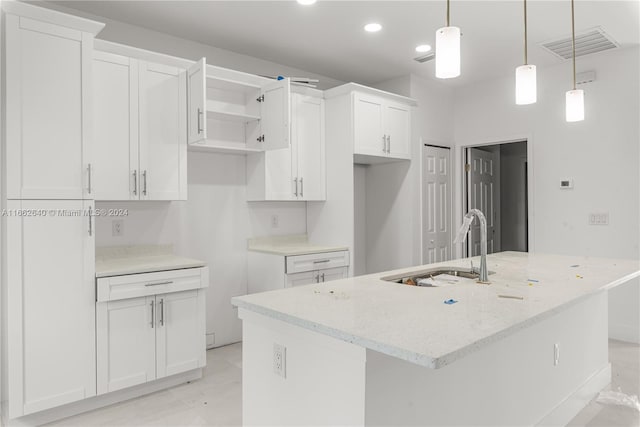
215	113
226	147
231	85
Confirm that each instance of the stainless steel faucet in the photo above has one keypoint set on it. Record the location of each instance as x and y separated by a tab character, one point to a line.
462	236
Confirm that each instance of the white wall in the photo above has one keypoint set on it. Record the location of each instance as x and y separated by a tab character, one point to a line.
600	154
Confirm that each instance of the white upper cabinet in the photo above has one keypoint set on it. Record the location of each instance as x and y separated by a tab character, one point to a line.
48	82
296	172
140	129
234	112
115	126
382	128
163	132
50	300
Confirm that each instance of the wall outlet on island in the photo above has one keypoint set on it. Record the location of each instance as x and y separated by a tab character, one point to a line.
280	360
274	221
117	227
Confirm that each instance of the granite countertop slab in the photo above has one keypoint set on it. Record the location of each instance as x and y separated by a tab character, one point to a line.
289	246
415	324
121	260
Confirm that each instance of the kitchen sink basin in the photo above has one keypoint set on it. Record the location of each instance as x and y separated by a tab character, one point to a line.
452	273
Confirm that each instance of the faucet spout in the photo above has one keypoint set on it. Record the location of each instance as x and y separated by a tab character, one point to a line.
462	236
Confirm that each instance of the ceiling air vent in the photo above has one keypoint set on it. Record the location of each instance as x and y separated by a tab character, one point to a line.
587	42
424	58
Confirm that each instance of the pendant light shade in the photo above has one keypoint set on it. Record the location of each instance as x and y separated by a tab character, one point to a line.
575	105
574	98
448	51
526	85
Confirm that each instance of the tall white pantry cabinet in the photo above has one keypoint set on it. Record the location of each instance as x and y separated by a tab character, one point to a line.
48	262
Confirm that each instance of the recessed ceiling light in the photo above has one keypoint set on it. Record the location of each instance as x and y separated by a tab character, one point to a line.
373	27
423	48
306	2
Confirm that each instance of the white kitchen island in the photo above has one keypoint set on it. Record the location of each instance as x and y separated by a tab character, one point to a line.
528	349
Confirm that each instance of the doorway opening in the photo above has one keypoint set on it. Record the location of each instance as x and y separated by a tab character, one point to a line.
496	182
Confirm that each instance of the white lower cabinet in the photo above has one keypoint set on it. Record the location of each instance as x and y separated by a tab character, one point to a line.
49	298
269	271
151	336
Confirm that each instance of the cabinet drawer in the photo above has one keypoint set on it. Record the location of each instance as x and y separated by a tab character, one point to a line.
300	263
146	284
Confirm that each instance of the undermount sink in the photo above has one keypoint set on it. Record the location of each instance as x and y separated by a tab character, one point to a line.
414	278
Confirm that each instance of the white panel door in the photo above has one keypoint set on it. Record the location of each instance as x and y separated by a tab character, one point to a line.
51	304
330	274
197	102
308	137
163	133
180	333
126	343
275	113
115	127
482	188
398	130
48	71
300	279
369	134
437	204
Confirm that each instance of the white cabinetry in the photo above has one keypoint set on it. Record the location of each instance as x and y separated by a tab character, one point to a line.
50	272
381	127
140	129
48	81
234	112
268	272
296	172
149	326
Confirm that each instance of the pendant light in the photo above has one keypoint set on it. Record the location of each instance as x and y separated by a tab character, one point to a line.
448	50
526	90
574	98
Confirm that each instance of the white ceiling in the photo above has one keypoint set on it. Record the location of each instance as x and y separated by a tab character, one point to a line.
327	38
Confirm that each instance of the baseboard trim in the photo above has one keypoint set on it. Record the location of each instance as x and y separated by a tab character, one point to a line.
92	403
578	400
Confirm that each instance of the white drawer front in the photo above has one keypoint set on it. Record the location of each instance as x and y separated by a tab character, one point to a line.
145	284
301	263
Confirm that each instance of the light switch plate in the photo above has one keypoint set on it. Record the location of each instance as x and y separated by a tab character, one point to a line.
599	218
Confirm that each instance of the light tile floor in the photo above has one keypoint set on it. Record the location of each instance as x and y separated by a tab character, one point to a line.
216	399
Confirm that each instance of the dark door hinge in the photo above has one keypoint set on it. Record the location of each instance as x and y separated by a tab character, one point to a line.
260	98
261	138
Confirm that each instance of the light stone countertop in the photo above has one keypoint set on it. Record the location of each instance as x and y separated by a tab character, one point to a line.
413	323
289	246
121	260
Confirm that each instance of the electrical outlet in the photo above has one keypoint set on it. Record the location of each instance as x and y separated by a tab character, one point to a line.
117	227
599	218
556	354
211	340
280	360
274	221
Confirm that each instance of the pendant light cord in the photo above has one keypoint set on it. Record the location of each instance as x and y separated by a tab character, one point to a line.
525	33
573	43
448	18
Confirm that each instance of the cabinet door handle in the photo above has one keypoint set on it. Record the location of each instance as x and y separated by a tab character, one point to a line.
323	277
153	320
162	312
296	182
135	182
389	144
321	261
384	143
168	282
301	187
89	178
200	114
144	183
318	278
90	224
